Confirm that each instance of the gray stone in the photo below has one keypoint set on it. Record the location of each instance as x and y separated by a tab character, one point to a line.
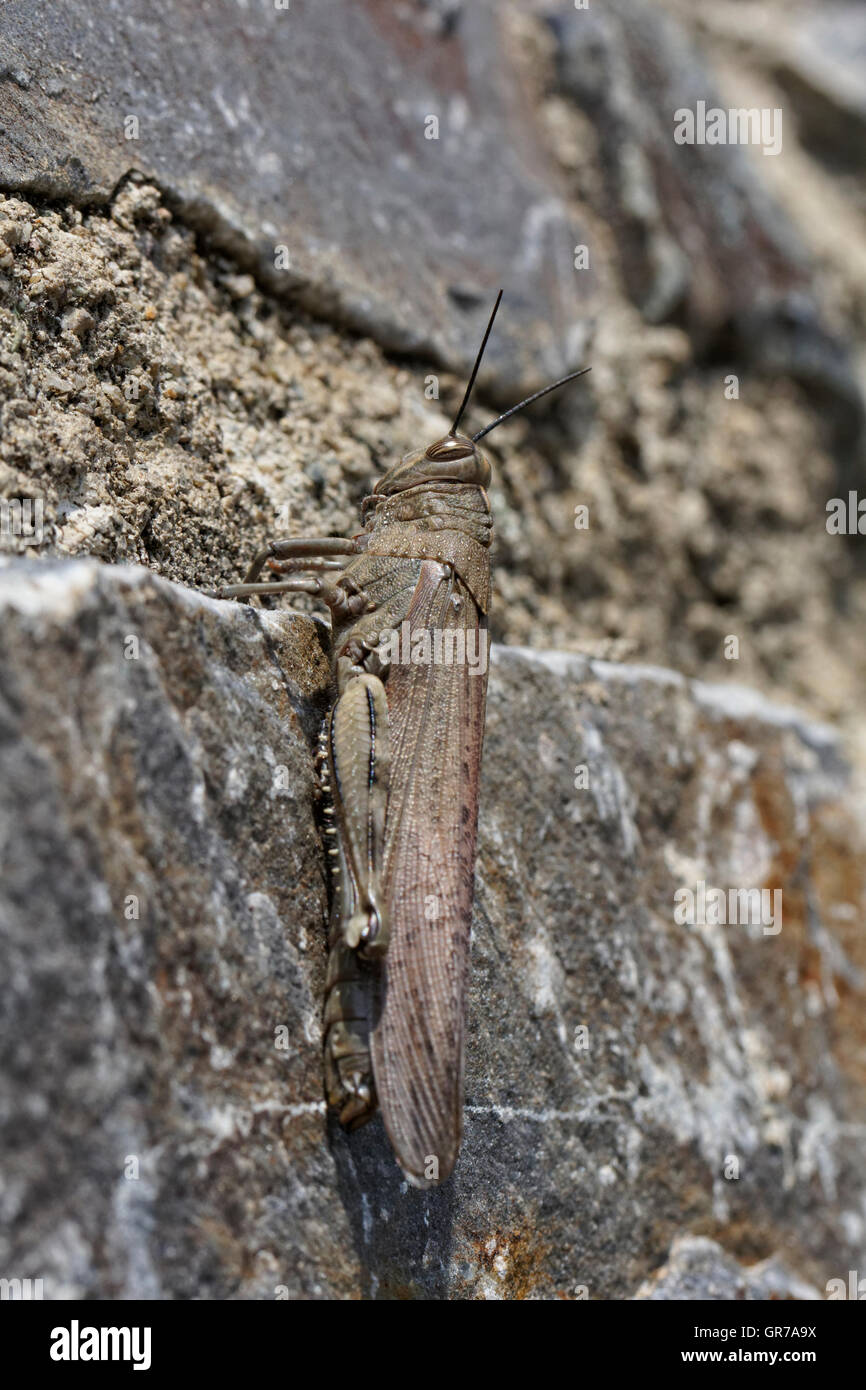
816	55
162	907
823	63
699	1269
304	127
697	234
700	239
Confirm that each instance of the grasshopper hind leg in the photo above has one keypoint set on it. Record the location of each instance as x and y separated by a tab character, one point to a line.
350	985
349	1083
354	762
357	769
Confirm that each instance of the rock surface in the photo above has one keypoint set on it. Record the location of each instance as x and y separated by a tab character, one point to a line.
162	908
308	127
699	1269
171	396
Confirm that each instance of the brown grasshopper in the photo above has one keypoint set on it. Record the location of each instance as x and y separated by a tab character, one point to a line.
400	759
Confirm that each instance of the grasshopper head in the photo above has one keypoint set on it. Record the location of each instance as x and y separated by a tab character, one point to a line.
453	459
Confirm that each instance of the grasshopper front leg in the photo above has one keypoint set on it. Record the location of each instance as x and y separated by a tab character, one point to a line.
299	548
290	557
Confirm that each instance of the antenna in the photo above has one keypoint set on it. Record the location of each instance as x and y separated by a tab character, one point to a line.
529	399
468	393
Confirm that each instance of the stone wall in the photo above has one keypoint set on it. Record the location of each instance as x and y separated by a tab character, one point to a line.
221	322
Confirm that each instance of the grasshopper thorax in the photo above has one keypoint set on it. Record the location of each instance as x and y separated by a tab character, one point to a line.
452	459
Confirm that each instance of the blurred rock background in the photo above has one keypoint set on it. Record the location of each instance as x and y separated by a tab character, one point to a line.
234	269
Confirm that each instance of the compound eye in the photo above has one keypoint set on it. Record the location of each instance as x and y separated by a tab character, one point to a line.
450	448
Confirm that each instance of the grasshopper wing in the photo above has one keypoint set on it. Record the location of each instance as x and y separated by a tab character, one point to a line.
436	713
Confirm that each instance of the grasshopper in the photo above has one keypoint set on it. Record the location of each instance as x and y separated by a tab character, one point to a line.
399	764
